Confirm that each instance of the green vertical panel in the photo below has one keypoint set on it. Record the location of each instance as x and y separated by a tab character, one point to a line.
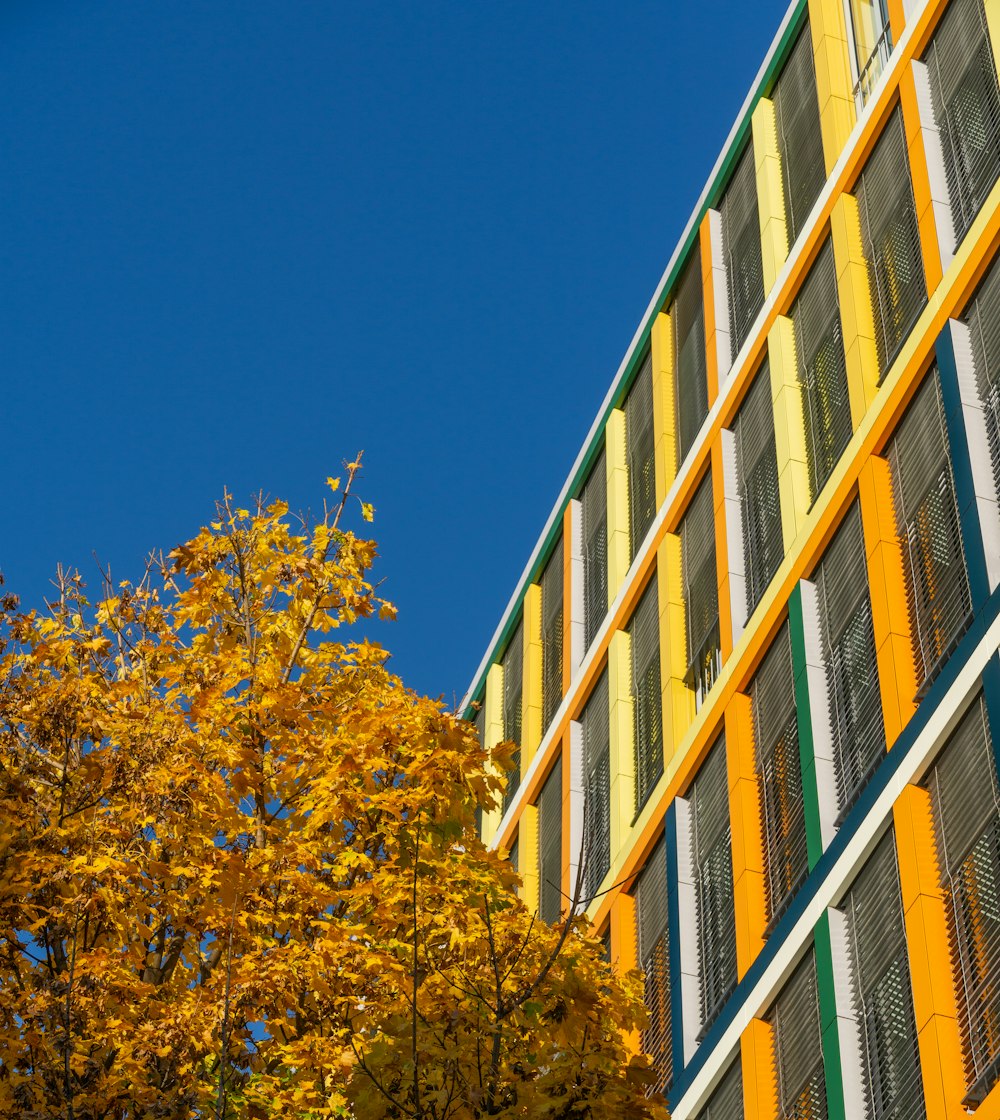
807	755
832	1064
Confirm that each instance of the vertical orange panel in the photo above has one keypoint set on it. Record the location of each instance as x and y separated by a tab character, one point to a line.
623	948
926	222
708	296
760	1085
722	552
897	19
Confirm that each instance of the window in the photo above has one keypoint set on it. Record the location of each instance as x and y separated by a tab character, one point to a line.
597	789
550	896
594	500
800	139
701	593
891	242
779	775
644	632
726	1102
513	677
883	998
741	246
963	786
966	96
552	635
872	38
514	856
983	318
757	478
654	960
798	1047
690	385
713	862
639	449
822	370
937	586
855	702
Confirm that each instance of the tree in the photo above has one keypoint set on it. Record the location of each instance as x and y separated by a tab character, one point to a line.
239	874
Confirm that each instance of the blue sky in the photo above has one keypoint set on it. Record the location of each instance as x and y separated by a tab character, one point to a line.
240	241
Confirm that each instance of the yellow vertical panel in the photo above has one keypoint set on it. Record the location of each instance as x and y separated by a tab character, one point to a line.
619	551
930	245
770	196
665	458
531	719
789	428
622	745
527	856
623	949
760	1087
856	313
678	699
492	734
834	84
992	9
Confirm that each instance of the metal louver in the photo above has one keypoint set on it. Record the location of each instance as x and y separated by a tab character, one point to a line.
726	1102
514	858
654	960
741	246
713	862
855	700
882	994
597	788
552	634
937	585
966	98
550	896
701	593
594	500
822	370
799	1047
513	680
757	476
691	385
639	450
891	242
800	139
983	318
963	785
647	713
779	774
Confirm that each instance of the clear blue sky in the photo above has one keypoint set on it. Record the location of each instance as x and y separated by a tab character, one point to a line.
240	241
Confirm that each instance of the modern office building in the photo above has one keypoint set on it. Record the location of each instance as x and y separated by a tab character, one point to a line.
752	664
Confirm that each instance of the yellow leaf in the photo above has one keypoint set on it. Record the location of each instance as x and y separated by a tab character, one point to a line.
367	511
333	483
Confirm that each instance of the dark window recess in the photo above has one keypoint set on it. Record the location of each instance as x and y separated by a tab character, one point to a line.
647	714
757	477
654	960
594	500
983	318
800	139
798	1050
513	680
937	585
552	635
741	246
779	775
891	242
726	1101
514	858
822	370
855	702
639	450
701	593
479	722
550	897
963	786
597	789
966	95
690	387
883	999
713	862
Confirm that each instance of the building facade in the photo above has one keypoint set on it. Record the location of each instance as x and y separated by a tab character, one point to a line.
752	665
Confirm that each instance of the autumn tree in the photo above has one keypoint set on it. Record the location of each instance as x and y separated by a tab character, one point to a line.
239	875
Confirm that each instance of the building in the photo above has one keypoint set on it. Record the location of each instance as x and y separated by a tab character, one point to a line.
752	665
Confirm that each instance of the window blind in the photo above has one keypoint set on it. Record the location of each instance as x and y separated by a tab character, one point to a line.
822	370
726	1102
963	786
639	449
552	634
594	500
513	679
966	97
799	1047
647	714
779	774
882	994
855	702
891	241
654	960
800	139
757	478
713	860
550	898
701	593
597	788
691	385
983	318
741	246
937	586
